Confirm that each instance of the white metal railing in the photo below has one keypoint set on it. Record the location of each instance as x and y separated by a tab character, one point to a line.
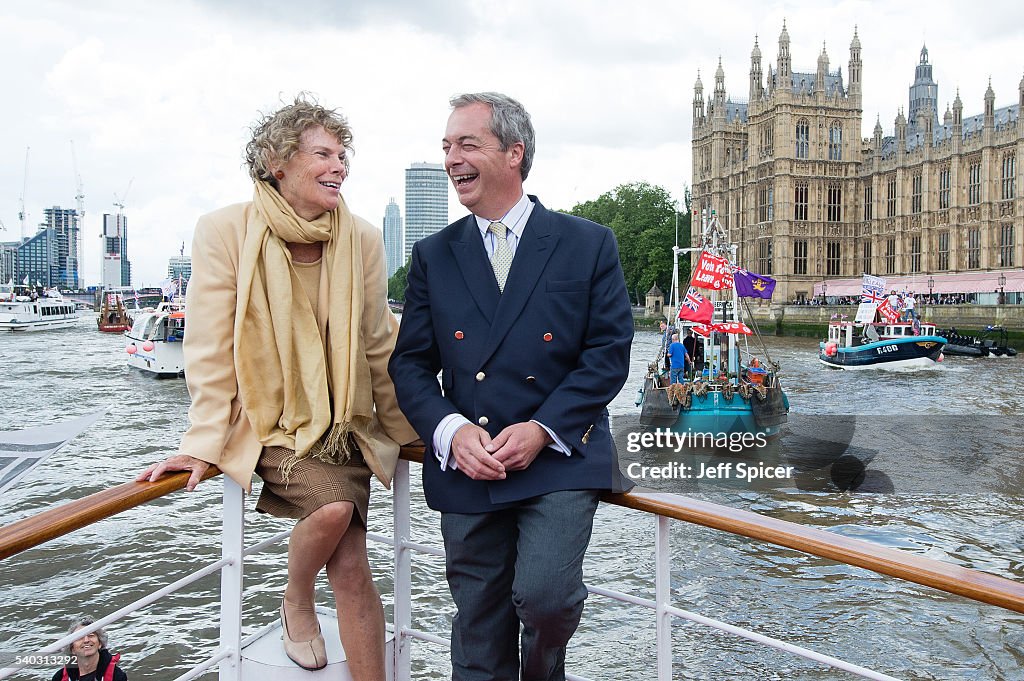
665	612
227	656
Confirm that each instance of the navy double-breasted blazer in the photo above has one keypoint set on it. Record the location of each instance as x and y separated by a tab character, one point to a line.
554	347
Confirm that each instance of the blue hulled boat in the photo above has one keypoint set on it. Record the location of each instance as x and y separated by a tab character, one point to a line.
881	346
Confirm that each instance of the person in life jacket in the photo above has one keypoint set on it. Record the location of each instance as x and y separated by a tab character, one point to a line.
91	661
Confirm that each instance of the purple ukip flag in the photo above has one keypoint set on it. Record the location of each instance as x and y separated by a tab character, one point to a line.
750	285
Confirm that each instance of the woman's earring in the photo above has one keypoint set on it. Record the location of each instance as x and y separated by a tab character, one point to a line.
279	174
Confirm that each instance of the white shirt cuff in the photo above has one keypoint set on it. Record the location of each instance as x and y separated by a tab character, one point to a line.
557	444
443	436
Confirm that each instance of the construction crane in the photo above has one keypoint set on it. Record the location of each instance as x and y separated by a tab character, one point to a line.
119	202
80	204
22	215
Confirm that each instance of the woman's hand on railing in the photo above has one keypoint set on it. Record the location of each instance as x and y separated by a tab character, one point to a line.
178	462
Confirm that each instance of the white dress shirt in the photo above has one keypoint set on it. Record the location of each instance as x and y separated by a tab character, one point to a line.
515	219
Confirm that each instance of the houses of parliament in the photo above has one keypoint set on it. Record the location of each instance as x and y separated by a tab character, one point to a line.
811	202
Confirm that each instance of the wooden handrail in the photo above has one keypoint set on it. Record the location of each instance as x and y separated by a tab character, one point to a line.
973	584
74	515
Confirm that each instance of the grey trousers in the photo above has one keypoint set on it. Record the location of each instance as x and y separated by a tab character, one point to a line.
517	566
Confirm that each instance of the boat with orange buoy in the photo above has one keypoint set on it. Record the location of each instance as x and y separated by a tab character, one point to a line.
870	345
155	338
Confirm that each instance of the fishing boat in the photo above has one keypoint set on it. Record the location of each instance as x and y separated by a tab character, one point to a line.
113	316
871	345
155	338
34	309
992	341
730	390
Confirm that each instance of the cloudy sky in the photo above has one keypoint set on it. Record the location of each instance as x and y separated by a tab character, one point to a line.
159	97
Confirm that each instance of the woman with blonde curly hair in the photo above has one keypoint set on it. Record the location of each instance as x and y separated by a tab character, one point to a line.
286	352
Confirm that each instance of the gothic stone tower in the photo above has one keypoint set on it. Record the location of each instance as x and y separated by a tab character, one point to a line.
808	200
781	169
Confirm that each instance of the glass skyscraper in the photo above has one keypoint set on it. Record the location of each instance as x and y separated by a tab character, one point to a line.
51	256
426	202
394	244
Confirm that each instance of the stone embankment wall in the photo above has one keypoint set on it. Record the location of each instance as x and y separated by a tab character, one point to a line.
812	320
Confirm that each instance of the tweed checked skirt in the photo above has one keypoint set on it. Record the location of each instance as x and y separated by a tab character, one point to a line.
312	484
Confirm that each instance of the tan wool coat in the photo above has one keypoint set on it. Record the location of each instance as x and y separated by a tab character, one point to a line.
220	432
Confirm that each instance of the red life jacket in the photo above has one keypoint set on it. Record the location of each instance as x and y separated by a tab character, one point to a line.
108	674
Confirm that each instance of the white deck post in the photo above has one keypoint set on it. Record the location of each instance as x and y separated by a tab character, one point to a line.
663	597
403	573
232	546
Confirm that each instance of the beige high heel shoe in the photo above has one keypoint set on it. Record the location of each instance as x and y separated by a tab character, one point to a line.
310	655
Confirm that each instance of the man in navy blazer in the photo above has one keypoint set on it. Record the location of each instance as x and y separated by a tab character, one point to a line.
525	315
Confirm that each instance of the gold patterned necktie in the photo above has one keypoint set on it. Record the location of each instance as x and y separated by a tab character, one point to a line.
501	260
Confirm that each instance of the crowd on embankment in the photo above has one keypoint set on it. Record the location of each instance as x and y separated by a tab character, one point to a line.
803	320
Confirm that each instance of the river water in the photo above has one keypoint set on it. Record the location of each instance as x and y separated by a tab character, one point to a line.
944	496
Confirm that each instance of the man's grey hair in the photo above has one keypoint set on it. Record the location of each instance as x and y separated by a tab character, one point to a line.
80	622
510	122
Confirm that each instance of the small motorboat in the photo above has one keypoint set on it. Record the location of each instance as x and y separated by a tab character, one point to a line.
869	345
992	341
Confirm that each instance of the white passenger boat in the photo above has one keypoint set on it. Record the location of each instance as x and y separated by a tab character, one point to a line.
154	341
25	309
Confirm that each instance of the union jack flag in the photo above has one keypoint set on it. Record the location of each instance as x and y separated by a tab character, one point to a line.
872	289
871	297
696	307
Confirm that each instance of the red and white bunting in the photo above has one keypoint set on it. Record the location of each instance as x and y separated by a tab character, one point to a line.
733	327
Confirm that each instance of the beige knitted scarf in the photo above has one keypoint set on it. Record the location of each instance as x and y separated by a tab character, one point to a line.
303	379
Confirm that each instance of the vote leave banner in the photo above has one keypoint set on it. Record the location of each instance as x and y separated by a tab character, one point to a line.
712	272
887	312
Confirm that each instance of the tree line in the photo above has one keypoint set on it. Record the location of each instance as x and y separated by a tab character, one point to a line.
644	219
